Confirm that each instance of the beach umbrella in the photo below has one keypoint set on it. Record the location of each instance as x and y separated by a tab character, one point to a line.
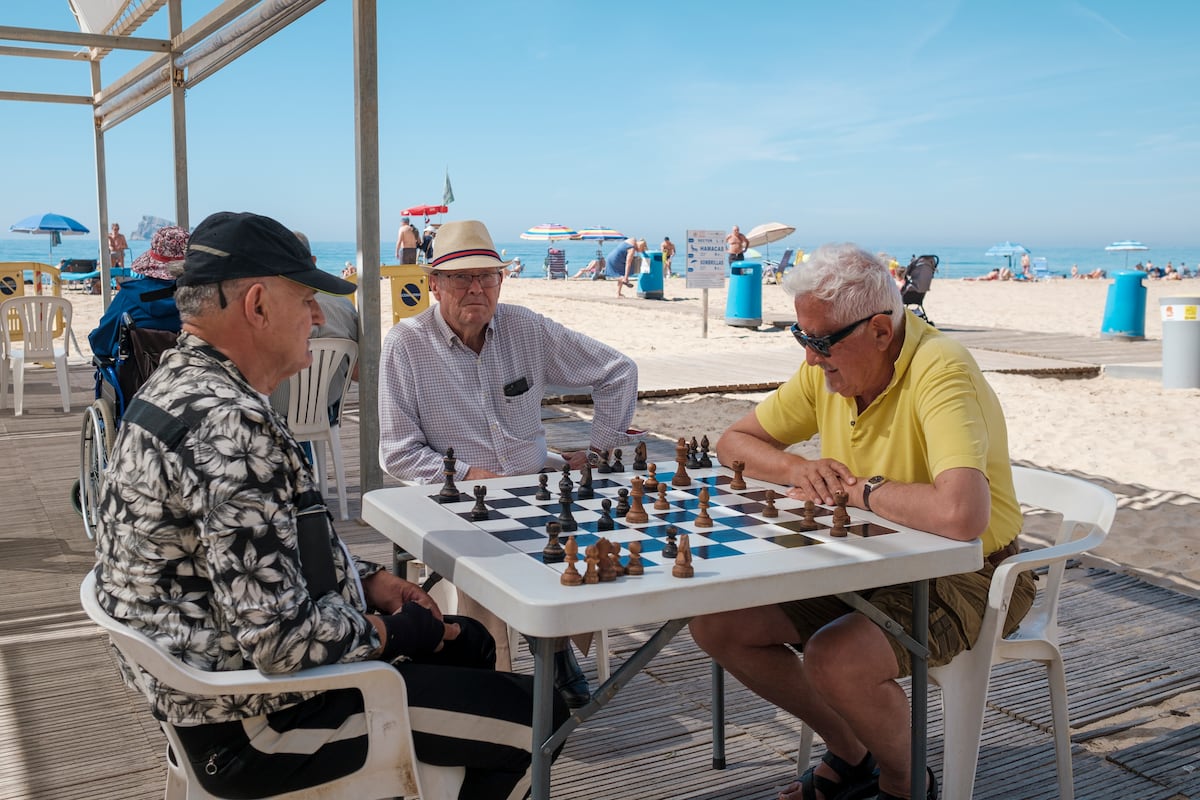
1007	250
424	211
56	225
1125	247
549	232
599	235
763	235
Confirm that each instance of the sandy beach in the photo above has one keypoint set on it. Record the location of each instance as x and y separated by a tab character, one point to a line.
1129	435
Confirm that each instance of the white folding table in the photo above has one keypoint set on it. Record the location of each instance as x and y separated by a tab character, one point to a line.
527	594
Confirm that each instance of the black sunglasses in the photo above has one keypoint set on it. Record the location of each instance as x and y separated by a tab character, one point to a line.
821	344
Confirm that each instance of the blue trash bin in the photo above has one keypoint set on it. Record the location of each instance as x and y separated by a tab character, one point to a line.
650	279
1125	308
743	305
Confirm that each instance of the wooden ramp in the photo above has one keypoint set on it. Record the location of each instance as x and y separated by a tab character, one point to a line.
69	729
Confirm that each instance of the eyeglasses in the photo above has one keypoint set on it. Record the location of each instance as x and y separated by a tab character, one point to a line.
821	344
462	280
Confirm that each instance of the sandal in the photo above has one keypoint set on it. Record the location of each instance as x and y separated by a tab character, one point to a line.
857	780
930	794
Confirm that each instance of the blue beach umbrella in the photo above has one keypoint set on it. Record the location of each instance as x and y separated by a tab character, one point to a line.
1125	246
1008	250
56	225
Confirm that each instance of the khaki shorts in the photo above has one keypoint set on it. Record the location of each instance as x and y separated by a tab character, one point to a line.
956	606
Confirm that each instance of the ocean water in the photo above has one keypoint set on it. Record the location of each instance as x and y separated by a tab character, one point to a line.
956	262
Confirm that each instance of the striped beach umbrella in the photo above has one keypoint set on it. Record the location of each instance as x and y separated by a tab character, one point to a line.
599	235
1125	246
549	232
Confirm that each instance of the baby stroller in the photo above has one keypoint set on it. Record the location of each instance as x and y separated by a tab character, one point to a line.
918	278
116	382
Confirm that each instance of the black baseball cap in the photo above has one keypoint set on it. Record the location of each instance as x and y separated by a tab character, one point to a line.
229	245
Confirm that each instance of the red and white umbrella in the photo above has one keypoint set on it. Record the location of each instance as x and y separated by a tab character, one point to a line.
600	236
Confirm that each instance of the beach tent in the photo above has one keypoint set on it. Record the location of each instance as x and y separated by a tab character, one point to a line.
178	63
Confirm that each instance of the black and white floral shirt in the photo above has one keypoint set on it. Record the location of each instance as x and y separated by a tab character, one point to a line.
197	545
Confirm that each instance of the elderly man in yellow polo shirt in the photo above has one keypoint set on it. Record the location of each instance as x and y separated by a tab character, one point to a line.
911	431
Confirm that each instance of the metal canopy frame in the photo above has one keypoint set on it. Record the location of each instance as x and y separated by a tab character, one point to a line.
185	59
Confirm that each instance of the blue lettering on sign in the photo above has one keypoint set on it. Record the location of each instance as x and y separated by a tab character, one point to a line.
411	294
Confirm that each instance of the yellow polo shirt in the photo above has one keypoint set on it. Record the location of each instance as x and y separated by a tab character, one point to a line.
937	413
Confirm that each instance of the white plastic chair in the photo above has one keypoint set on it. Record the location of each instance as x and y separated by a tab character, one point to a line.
29	325
1087	513
391	768
308	408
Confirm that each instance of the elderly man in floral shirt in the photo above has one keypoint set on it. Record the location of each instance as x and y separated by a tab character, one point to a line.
215	541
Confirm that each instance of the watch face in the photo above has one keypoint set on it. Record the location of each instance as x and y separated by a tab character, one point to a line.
875	480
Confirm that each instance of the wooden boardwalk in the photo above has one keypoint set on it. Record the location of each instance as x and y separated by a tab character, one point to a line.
69	729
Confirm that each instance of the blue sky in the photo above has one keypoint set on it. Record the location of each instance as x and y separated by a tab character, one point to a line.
1061	123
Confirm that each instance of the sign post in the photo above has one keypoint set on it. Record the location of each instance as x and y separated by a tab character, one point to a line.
705	266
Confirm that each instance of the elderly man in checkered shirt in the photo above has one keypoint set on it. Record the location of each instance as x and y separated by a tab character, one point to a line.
469	374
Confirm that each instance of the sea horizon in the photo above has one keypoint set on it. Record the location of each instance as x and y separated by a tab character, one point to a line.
955	261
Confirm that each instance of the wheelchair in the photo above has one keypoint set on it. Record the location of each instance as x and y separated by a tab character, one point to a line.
117	379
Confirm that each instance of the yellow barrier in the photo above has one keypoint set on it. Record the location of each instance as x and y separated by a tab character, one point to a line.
12	284
410	289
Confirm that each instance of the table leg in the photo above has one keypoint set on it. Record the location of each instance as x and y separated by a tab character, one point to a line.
543	713
920	685
718	716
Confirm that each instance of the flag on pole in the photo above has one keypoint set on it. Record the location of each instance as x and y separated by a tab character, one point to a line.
447	193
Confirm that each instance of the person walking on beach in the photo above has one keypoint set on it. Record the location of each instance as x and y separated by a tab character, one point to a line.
893	398
469	373
117	245
205	547
668	251
738	244
407	242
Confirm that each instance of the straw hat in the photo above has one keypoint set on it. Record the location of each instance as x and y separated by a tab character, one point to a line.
464	244
164	259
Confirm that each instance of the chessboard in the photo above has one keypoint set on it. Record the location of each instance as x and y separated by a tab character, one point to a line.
756	519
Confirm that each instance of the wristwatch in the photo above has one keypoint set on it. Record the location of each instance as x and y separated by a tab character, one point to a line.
873	483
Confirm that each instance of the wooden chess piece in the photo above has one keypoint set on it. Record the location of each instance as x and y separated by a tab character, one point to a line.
565	517
703	520
662	503
651	481
604	561
770	512
606	522
543	492
681	477
683	559
586	492
636	513
616	465
693	454
705	460
840	516
639	456
738	483
591	574
614	551
670	548
571	576
553	552
809	521
635	566
449	492
480	510
604	468
565	484
622	501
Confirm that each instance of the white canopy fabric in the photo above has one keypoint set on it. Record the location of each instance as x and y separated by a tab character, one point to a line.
101	16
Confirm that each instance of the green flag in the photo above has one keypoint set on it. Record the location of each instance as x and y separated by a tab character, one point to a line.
447	193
